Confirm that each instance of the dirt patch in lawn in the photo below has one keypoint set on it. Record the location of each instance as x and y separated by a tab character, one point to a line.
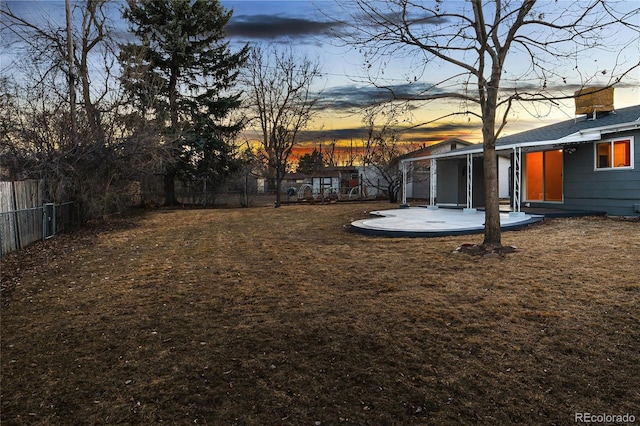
283	316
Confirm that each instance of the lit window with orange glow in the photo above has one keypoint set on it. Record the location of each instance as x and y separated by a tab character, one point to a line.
621	154
543	176
614	154
534	176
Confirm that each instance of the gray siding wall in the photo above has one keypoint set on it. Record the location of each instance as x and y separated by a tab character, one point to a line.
612	191
448	182
452	182
478	183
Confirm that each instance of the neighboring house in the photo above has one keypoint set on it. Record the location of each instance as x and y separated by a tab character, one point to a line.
372	180
349	182
342	181
589	163
336	180
267	185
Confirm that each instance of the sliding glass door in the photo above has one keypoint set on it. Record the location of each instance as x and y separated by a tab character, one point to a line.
544	176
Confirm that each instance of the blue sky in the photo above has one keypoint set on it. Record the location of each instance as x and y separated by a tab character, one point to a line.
310	27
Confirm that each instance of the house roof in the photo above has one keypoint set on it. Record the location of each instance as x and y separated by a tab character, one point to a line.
580	129
426	150
570	127
332	171
295	176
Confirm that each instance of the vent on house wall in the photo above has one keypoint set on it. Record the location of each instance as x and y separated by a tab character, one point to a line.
596	101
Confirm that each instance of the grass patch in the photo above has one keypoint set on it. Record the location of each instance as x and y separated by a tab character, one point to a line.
283	316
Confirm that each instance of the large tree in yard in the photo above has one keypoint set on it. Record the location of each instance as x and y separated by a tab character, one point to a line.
279	87
182	72
497	53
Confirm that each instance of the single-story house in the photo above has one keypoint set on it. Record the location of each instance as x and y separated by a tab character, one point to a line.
335	180
341	181
591	162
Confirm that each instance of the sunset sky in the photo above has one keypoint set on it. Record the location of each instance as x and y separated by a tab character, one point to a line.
310	28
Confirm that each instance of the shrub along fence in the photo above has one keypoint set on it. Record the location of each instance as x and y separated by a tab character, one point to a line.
25	218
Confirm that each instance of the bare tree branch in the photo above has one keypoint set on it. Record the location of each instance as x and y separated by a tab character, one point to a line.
279	87
487	44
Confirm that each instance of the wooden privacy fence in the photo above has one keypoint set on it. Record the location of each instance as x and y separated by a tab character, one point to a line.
25	219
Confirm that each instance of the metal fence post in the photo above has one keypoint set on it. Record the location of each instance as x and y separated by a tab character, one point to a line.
44	222
48	220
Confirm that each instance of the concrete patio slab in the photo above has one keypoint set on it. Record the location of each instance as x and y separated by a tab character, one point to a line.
423	222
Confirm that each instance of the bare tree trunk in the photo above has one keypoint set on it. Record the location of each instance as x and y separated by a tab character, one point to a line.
90	24
170	172
245	191
71	63
492	234
392	191
279	178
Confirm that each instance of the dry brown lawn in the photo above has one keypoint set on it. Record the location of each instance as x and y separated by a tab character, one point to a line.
283	316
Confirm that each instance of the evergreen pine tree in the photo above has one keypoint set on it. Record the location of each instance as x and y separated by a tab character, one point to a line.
181	73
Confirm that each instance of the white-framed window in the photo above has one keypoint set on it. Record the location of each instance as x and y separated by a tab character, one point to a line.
614	154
